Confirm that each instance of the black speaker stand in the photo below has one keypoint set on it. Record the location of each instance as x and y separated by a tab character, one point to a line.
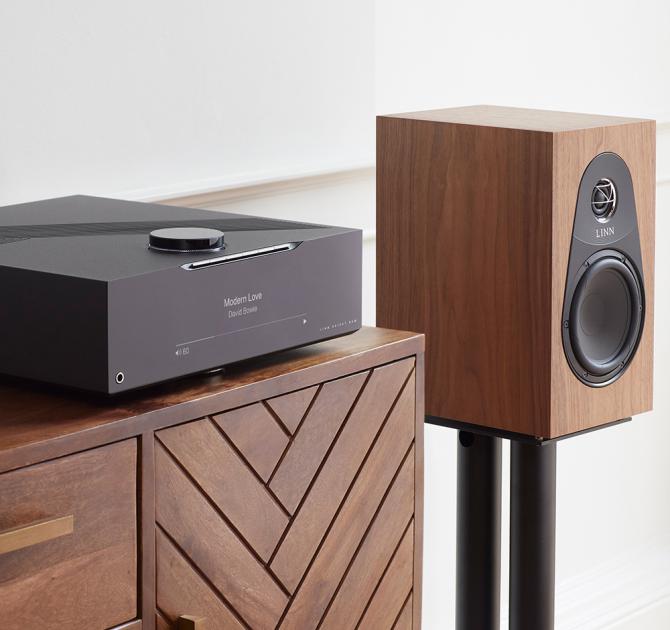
532	527
478	531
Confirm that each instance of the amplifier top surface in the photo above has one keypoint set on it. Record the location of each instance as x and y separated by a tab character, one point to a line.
107	239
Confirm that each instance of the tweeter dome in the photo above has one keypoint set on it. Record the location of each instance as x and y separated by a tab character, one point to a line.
521	242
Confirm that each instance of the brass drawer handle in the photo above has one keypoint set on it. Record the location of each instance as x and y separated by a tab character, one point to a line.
189	622
40	531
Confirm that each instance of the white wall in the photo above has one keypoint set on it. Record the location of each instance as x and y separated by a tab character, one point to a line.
159	97
602	56
613	538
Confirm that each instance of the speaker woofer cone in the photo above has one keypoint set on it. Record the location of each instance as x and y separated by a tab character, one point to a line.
606	314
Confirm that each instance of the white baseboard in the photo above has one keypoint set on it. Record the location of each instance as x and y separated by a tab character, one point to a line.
218	191
655	617
629	592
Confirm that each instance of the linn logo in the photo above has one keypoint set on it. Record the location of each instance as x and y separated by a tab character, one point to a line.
604	232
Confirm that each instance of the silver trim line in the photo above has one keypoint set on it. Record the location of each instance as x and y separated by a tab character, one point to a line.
253	253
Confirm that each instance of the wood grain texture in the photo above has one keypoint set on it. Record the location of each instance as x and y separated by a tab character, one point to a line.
304	535
475	208
85	579
316	435
180	588
417	587
394	588
291	408
161	622
575	407
355	516
330	560
38	422
404	621
455	261
194	556
374	554
204	536
228	482
147	539
244	426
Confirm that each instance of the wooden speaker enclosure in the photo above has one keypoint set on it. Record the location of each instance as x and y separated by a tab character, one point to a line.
475	214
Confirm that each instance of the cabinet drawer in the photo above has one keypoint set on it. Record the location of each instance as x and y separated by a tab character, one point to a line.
296	512
68	541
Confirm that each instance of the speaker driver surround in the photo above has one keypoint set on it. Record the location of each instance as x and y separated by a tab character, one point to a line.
605	318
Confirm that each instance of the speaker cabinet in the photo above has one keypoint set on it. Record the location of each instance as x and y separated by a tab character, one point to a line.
521	243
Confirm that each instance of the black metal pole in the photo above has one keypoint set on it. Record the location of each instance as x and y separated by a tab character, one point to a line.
532	536
478	532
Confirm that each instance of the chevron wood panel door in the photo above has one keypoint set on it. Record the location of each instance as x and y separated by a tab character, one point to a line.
297	512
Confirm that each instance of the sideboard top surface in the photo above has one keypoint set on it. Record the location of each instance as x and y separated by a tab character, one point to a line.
38	422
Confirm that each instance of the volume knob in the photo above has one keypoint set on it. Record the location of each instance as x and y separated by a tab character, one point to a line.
186	239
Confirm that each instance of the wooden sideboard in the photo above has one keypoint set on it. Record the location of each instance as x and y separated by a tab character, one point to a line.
283	493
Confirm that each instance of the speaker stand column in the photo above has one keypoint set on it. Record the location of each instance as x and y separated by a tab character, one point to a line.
532	536
532	527
478	532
